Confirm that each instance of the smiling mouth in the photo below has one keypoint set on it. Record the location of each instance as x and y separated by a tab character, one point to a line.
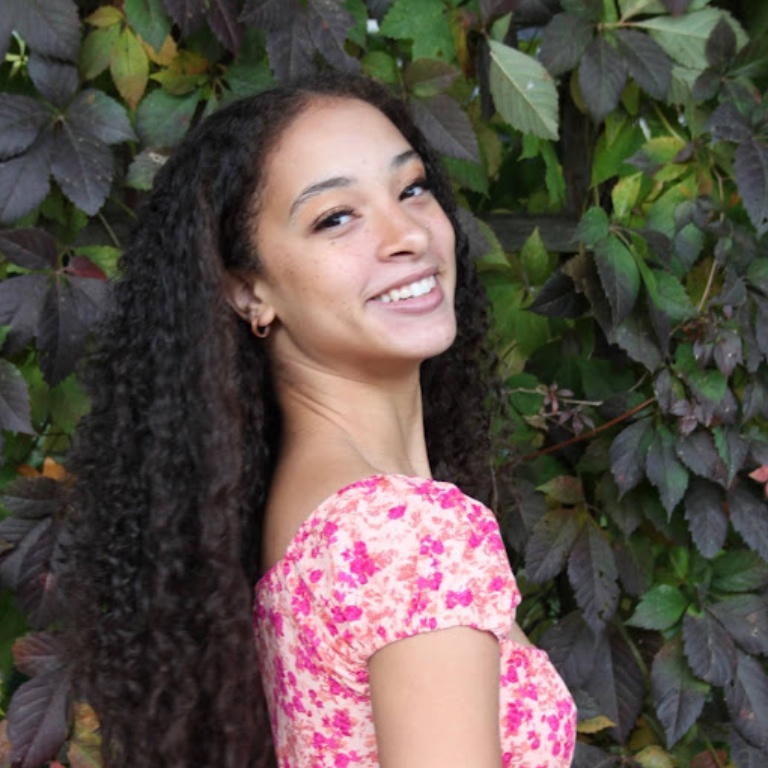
411	291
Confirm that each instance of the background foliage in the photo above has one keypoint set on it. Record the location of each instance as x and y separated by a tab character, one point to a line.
635	355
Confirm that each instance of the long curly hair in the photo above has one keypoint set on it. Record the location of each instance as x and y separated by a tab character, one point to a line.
174	461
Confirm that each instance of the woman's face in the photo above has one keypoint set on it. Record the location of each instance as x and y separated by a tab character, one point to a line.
357	256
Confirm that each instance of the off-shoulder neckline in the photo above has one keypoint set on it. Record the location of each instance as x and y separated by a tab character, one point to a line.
317	513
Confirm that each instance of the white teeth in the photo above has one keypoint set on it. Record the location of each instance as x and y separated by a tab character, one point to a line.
418	288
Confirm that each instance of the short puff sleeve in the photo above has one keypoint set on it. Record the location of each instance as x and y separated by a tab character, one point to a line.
400	556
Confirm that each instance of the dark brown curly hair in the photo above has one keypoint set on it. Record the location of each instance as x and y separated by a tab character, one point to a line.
174	461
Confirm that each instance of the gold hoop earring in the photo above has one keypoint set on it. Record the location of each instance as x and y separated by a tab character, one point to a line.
260	331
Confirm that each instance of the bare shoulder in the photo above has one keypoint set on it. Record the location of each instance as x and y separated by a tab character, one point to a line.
299	486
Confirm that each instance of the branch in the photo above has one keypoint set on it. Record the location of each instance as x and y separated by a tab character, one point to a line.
592	433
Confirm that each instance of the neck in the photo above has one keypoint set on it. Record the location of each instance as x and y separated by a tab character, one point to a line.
376	425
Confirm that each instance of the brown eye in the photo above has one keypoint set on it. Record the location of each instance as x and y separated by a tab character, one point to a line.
415	189
333	219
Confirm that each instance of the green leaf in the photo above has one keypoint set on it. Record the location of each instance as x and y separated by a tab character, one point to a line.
129	66
162	119
710	649
602	77
564	41
625	195
706	383
594	577
523	91
550	544
593	226
678	697
614	148
553	177
149	20
660	608
381	66
97	51
426	24
619	276
684	37
664	469
739	571
535	259
668	294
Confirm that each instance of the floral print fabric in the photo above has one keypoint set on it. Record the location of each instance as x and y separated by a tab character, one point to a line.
383	559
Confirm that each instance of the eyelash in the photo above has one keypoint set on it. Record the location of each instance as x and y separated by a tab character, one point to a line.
330	219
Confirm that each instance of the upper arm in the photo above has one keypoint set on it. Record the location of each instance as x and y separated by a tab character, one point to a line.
435	700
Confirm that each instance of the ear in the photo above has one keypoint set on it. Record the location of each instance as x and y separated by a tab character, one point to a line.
247	295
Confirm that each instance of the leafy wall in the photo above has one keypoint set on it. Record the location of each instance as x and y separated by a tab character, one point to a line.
635	349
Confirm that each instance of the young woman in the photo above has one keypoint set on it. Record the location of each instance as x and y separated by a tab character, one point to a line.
296	349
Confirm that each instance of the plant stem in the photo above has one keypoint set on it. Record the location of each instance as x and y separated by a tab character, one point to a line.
708	288
592	433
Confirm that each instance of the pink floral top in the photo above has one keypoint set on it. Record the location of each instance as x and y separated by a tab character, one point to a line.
385	558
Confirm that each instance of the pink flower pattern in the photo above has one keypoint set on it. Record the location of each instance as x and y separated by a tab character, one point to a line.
385	558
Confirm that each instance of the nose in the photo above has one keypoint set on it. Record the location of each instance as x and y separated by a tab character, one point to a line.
401	234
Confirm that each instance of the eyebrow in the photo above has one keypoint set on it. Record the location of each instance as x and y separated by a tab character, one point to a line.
336	182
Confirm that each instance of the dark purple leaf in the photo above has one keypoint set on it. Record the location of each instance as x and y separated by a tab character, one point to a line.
594	577
7	25
728	352
726	123
21	303
676	7
635	337
38	718
628	454
57	81
626	515
526	509
33	498
71	308
564	41
706	85
749	516
619	276
493	9
589	756
602	77
745	617
50	27
665	470
93	112
747	700
721	46
148	19
647	62
709	648
446	126
558	298
291	49
428	77
634	559
83	167
698	452
24	181
21	120
744	754
751	167
37	653
328	22
617	683
222	18
35	585
588	9
270	15
14	400
36	538
706	516
571	646
188	14
677	696
28	248
733	450
550	544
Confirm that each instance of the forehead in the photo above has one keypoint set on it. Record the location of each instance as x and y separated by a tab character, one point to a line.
333	136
